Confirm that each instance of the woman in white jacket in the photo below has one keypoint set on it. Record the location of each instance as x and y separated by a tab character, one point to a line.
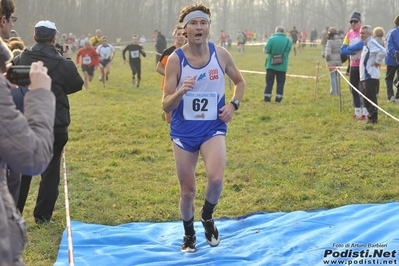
333	57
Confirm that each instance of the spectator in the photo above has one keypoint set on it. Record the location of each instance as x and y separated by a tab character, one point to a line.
373	55
26	142
65	80
353	37
241	41
341	32
313	37
304	37
392	41
223	38
333	57
323	41
26	146
160	45
294	37
378	35
229	42
278	45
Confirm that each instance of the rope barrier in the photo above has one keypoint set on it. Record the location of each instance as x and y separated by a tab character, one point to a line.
71	259
316	78
345	67
362	95
288	75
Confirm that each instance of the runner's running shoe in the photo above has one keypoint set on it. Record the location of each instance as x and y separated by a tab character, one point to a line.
211	232
189	244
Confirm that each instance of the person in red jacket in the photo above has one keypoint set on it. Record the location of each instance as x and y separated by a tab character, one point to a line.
89	62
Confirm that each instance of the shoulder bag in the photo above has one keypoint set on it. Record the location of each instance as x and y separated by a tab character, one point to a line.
278	59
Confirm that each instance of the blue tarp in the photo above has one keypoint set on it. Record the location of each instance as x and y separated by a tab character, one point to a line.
364	234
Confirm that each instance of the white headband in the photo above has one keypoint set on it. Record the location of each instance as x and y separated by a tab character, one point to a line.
195	14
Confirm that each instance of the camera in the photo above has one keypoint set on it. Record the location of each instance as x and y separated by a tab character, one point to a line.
60	48
19	75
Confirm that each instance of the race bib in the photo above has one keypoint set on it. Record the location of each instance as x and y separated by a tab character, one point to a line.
87	60
200	106
134	54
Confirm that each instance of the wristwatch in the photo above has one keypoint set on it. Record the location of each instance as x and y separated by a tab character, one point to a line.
236	103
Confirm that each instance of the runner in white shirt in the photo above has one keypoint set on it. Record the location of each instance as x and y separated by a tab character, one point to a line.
106	52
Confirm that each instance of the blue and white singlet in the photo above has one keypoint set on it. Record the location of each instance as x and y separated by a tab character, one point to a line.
198	111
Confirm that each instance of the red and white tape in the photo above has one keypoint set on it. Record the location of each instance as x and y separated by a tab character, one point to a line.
71	259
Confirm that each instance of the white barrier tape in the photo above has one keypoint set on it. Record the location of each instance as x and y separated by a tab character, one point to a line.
288	75
152	52
361	94
345	67
68	218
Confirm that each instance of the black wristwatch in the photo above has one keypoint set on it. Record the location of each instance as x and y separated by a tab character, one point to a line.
236	103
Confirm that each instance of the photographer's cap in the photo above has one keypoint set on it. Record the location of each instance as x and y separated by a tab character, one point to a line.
45	29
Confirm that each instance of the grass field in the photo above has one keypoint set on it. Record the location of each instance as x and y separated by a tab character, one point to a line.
302	155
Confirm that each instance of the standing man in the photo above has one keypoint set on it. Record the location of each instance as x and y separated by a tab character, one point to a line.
277	45
135	49
160	45
323	41
304	36
294	37
65	80
240	41
106	52
178	36
352	37
90	60
195	94
313	37
223	38
373	55
341	32
392	41
255	36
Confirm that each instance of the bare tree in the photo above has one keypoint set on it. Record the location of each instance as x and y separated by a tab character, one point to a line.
122	18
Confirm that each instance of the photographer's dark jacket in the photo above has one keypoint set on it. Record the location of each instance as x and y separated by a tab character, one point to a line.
64	75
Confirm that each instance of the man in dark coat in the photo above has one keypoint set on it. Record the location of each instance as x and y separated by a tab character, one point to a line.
160	45
65	80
